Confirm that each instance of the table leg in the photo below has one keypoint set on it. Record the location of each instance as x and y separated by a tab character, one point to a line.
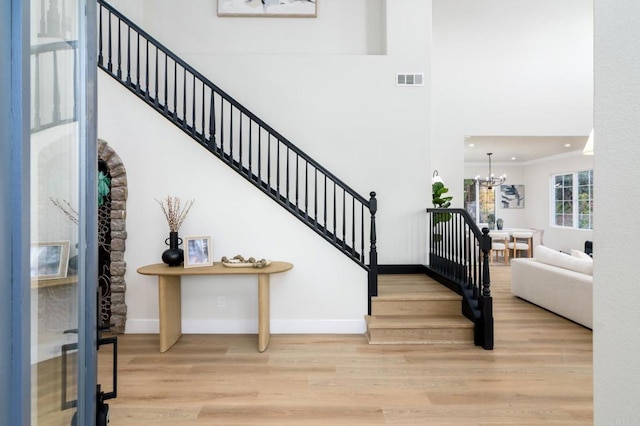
263	312
170	311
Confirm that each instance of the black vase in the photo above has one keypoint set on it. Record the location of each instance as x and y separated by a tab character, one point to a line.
173	256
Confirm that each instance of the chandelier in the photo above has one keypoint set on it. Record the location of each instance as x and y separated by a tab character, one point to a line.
490	181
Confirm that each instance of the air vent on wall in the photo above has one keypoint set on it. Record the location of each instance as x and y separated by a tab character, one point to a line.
413	79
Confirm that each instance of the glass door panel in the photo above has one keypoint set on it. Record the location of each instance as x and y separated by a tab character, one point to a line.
56	150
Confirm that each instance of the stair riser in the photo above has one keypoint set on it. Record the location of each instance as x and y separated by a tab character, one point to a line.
415	307
420	336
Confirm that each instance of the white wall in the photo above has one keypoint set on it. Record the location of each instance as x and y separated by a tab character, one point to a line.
616	296
160	161
343	109
508	68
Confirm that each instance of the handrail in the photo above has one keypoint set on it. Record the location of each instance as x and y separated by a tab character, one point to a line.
229	98
459	254
238	137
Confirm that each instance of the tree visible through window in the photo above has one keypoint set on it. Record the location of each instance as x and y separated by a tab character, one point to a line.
573	200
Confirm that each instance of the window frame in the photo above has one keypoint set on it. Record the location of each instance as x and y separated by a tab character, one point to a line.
576	188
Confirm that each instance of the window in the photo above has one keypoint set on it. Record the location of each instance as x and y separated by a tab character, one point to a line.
573	200
479	202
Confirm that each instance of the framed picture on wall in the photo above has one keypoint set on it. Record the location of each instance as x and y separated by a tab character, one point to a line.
268	8
49	260
512	196
197	251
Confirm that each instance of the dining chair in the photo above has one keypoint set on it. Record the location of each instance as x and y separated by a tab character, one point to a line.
499	243
521	241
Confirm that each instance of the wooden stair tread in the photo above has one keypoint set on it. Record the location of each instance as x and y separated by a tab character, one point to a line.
417	321
418	296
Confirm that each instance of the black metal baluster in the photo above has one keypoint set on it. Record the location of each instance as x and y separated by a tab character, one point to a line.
297	181
269	161
184	98
362	233
240	141
250	170
193	106
222	127
128	55
166	85
146	72
203	136
230	133
175	91
155	92
306	190
100	57
344	217
119	71
138	88
325	204
278	168
335	231
353	225
212	120
260	154
109	64
287	175
315	196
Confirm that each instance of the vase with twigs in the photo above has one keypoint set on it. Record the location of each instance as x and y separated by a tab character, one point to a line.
175	212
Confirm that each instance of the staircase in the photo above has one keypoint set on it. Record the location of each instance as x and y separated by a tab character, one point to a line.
239	138
415	309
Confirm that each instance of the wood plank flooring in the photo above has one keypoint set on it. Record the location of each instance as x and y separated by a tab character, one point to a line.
540	372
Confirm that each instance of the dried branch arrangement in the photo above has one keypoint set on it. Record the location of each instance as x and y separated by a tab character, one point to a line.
66	208
174	211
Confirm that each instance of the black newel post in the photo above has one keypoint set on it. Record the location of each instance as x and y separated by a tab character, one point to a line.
373	253
484	330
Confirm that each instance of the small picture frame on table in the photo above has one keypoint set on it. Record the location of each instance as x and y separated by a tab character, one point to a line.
49	260
197	251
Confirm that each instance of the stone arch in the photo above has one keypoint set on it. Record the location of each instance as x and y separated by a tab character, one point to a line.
118	234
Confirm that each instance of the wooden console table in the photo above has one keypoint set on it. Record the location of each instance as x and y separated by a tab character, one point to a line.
170	310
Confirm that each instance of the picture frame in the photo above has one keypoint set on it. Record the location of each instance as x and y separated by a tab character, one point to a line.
197	251
49	260
268	8
512	196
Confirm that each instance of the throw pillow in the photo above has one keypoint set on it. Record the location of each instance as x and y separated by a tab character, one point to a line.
561	260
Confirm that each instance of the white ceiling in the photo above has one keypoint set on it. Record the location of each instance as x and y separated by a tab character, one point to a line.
523	148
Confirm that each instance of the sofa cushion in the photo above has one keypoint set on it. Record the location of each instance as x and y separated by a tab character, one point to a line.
561	260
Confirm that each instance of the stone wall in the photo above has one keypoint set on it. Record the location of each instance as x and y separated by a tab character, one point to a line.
118	234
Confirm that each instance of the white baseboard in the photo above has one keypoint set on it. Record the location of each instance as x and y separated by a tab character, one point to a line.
348	326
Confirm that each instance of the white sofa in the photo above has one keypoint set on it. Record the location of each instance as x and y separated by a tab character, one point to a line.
558	282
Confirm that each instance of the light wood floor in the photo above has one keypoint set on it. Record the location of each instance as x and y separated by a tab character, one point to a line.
539	373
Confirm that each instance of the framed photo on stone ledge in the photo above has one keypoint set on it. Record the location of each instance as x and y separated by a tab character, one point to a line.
197	251
268	8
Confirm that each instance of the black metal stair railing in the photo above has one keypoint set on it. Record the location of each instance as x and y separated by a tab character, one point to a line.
459	254
238	137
